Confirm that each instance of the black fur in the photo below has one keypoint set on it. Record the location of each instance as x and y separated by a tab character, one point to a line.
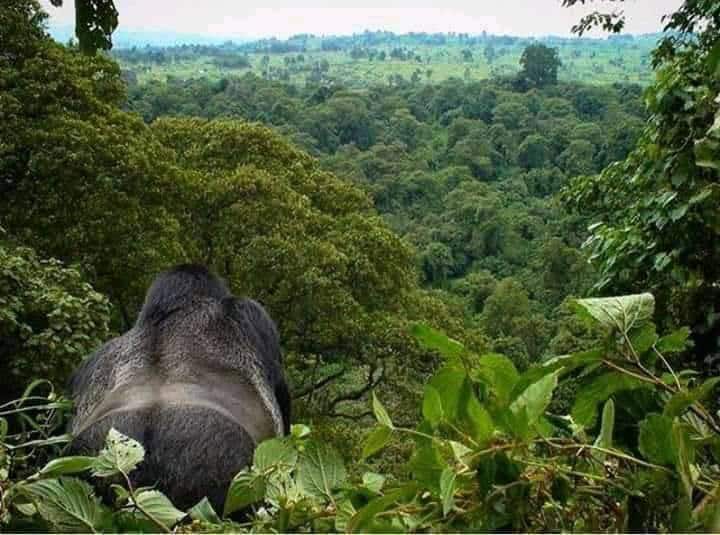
198	381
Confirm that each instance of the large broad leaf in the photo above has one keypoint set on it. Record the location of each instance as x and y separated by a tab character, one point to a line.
320	470
531	404
563	364
656	439
499	374
448	382
245	489
120	454
622	313
447	490
68	504
435	340
203	512
67	465
155	504
473	418
275	452
597	391
376	441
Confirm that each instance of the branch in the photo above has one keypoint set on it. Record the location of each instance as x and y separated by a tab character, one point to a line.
312	388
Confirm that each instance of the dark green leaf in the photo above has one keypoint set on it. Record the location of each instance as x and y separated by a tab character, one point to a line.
656	439
597	391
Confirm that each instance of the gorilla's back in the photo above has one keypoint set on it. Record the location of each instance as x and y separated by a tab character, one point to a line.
194	387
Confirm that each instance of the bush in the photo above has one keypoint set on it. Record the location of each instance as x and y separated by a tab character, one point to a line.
50	318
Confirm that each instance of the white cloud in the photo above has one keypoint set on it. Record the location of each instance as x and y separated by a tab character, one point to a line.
283	17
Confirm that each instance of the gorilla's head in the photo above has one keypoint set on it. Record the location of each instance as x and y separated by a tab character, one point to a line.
178	286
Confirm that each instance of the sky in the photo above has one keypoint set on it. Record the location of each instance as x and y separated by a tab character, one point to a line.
282	18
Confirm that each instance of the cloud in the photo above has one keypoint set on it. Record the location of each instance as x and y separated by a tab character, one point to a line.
282	18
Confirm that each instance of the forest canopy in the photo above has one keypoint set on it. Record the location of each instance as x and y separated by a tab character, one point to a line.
497	298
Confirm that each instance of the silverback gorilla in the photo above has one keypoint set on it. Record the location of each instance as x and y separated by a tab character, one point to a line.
198	381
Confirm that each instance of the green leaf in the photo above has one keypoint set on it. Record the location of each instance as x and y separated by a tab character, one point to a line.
472	416
598	390
621	313
535	399
432	406
675	342
434	340
376	441
203	512
67	465
299	430
381	414
275	452
499	374
604	438
682	401
373	481
655	440
159	506
448	382
713	60
245	489
685	457
68	504
363	519
643	338
120	454
447	490
320	470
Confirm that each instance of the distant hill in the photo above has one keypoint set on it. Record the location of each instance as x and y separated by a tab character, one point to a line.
128	38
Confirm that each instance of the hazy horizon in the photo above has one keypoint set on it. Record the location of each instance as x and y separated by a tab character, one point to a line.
277	18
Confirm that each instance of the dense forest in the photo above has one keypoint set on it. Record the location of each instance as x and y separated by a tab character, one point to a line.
493	263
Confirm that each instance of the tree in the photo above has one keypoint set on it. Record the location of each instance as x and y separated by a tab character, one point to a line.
533	152
656	217
540	64
95	21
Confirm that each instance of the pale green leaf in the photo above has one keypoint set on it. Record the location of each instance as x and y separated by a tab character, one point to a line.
380	413
622	313
159	506
447	490
203	512
120	454
275	452
68	504
320	470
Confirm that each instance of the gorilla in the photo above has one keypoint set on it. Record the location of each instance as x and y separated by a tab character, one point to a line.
198	381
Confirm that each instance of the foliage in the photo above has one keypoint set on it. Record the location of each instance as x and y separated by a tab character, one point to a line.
656	218
540	65
487	454
50	318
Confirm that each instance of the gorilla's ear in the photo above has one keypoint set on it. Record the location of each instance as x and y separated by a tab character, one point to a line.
256	324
